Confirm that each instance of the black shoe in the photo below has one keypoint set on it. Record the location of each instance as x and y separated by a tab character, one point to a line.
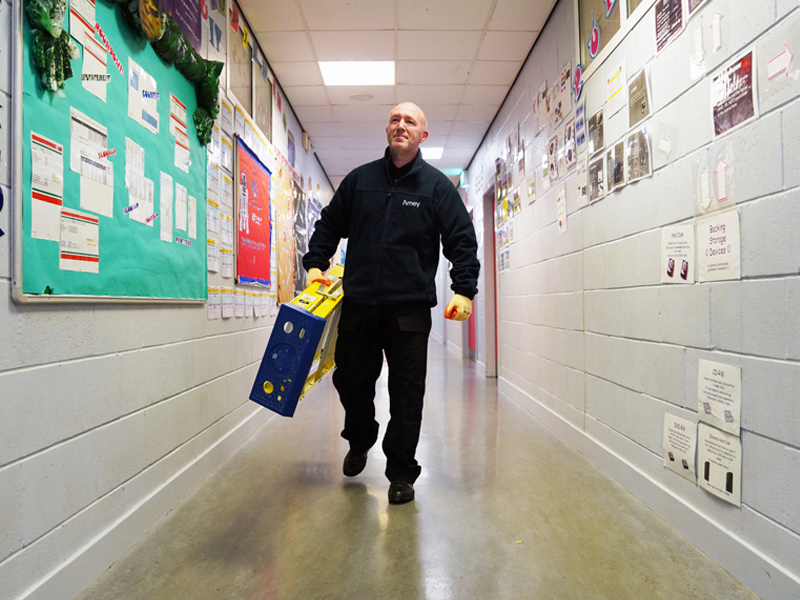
354	463
400	492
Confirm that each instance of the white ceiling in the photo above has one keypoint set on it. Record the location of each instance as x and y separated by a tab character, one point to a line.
455	59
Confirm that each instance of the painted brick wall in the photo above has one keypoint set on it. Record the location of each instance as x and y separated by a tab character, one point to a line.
593	344
110	414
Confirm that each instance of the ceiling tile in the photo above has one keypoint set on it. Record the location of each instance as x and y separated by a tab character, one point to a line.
306	95
348	14
361	127
286	46
494	72
297	73
506	45
458	153
463	141
364	141
520	15
321	129
452	163
340	94
335	181
439	127
353	45
437	45
476	112
378	112
326	142
414	72
485	94
429	94
443	14
313	114
438	112
363	155
272	15
469	128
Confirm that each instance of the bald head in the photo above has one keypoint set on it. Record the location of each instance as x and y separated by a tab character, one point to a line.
407	129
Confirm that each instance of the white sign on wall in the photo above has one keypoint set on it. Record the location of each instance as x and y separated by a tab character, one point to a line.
680	446
719	459
719	253
677	254
719	395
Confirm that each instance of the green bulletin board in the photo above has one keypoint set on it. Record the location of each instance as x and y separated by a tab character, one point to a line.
133	262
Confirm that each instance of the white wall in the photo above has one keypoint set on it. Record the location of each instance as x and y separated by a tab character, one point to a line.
595	346
110	414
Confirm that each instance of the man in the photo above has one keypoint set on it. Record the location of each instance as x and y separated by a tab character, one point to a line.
393	212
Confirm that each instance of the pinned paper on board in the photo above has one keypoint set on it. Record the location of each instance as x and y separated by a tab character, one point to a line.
79	247
47	187
143	97
165	207
94	76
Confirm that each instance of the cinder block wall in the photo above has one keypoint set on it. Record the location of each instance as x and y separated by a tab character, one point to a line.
596	347
109	414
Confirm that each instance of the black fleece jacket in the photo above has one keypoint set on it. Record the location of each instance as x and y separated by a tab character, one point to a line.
393	231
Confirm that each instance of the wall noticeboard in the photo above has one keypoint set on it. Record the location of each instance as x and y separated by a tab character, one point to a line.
254	225
129	223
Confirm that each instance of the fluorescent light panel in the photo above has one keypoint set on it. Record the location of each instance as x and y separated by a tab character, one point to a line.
357	72
431	153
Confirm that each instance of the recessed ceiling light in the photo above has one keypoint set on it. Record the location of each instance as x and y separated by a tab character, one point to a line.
431	153
357	72
362	97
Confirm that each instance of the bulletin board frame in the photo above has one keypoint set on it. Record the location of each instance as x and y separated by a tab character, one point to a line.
195	292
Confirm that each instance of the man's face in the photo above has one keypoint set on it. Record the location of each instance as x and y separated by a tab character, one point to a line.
407	128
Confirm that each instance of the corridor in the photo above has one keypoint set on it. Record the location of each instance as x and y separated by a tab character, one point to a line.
504	510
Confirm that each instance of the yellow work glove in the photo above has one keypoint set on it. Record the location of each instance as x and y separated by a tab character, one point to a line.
315	275
459	309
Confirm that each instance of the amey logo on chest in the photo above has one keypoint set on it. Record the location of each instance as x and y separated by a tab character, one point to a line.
410	203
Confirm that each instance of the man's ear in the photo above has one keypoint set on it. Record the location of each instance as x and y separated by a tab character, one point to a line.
424	137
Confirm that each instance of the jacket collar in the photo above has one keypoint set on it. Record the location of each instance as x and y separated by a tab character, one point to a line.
417	162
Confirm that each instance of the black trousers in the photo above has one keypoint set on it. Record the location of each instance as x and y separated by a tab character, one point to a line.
365	334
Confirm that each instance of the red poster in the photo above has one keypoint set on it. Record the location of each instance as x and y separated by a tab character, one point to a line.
252	193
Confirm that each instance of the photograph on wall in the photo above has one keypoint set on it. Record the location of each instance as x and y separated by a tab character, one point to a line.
253	231
560	99
569	150
580	127
732	95
552	158
615	166
669	22
596	132
637	151
639	99
596	179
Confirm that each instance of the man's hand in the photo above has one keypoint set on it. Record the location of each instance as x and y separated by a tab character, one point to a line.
459	309
315	275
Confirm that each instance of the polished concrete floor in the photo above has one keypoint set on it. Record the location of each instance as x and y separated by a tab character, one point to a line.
504	510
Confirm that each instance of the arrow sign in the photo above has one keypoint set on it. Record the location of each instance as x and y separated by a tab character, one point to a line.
716	30
722	190
780	63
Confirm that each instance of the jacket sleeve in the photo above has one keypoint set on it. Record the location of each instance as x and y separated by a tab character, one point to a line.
332	226
459	243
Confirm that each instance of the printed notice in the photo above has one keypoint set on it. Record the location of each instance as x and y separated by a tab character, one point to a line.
616	92
732	95
677	254
142	97
718	256
81	19
583	189
88	157
80	242
669	22
94	76
165	207
192	217
47	187
637	151
596	133
214	304
639	99
680	446
719	395
181	200
596	178
227	302
719	458
238	300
